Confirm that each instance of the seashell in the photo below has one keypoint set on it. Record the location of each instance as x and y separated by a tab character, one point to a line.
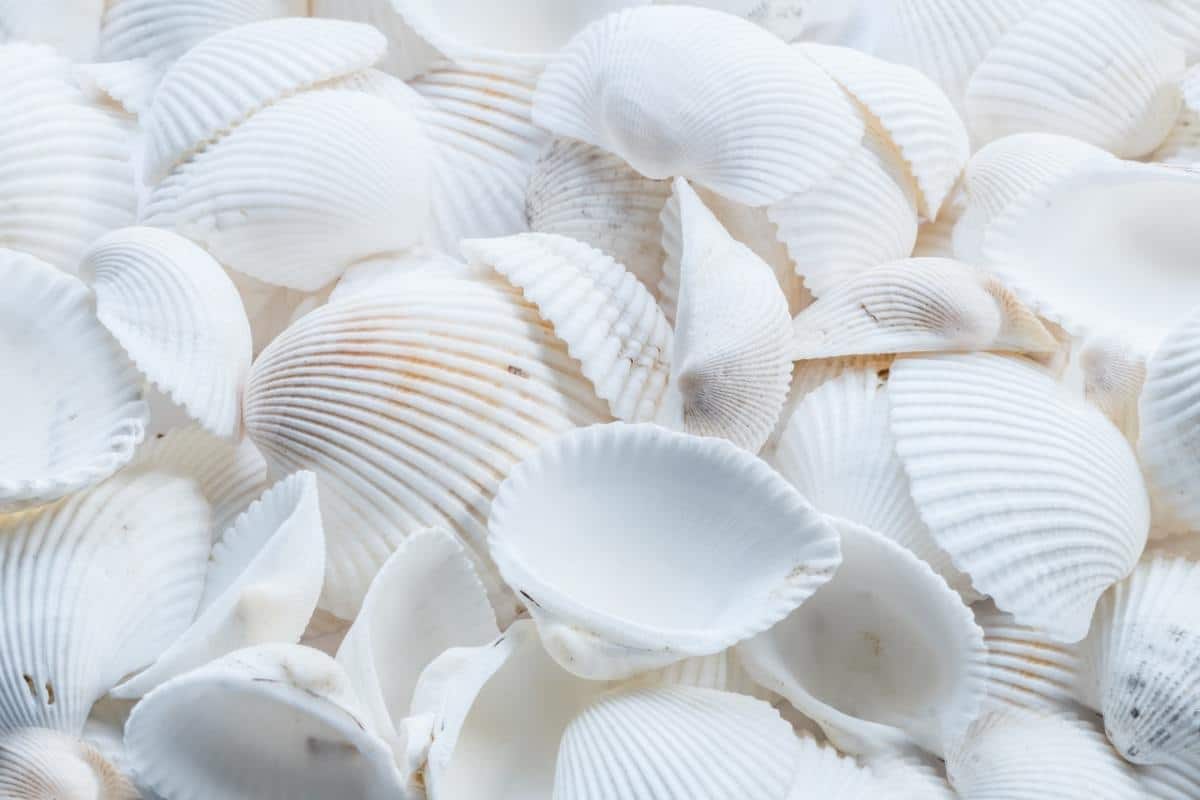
408	54
229	76
72	27
38	764
1178	780
451	381
425	599
1141	659
262	585
682	742
730	364
992	762
712	114
1026	668
837	449
721	671
606	317
1030	80
128	84
1112	373
988	441
917	305
392	271
163	30
913	113
583	192
273	721
601	628
263	201
883	652
60	439
65	169
178	316
77	576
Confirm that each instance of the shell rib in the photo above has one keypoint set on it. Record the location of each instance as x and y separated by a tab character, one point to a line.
1026	668
179	317
37	764
607	318
1032	492
1179	780
72	27
411	406
713	114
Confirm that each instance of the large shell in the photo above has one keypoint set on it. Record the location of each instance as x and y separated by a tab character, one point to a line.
1026	668
715	112
39	764
883	652
72	403
72	27
303	188
1031	491
570	553
179	317
411	405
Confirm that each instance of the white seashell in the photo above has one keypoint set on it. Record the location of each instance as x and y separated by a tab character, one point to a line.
917	305
274	721
911	110
59	438
682	743
837	449
588	194
606	317
1032	492
1031	79
1026	668
1112	373
730	365
883	652
72	27
179	317
392	271
721	671
65	169
129	84
713	113
96	586
224	79
38	764
1181	20
302	189
1073	761
1178	780
745	528
262	585
408	54
450	381
425	599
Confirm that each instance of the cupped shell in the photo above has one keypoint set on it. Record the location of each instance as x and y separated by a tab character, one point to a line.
40	764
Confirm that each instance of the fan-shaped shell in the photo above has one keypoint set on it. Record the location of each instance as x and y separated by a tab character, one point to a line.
39	764
715	112
303	188
1026	668
1032	492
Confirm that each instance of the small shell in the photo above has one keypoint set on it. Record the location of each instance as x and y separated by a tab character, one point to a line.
227	77
607	318
714	112
274	722
1026	668
680	743
883	652
986	441
1113	373
746	530
37	764
59	438
72	27
302	189
1030	80
917	305
179	317
408	54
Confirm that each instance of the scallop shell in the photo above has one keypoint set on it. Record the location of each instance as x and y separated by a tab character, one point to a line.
986	440
607	318
95	587
72	27
408	54
730	366
583	192
227	77
917	305
733	507
179	317
129	84
37	764
1026	668
274	721
681	743
59	438
884	652
714	112
1030	80
296	210
411	406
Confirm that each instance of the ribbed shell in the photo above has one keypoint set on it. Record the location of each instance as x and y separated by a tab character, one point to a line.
731	107
1026	668
38	764
1033	493
72	27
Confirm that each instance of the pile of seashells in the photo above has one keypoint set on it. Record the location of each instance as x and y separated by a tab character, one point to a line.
600	399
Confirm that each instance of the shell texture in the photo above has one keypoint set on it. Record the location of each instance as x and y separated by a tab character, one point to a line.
408	54
40	764
1179	780
1026	668
1113	373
